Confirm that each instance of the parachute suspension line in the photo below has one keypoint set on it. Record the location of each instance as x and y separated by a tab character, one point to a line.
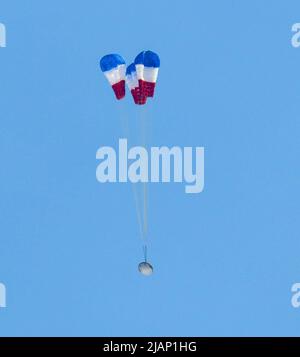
145	210
145	186
124	123
145	183
138	211
126	132
145	252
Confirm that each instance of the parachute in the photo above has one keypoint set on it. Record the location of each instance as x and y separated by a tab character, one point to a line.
147	64
114	68
133	84
140	77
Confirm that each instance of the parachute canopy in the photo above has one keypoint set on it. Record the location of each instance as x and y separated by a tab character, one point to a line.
147	64
114	68
133	84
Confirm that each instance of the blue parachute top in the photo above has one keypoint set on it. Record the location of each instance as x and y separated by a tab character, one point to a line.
139	59
148	59
111	61
130	69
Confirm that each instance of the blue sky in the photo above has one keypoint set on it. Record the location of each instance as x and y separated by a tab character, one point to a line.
225	259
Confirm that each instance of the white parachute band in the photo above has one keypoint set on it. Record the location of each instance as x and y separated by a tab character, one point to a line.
139	71
132	81
116	75
148	74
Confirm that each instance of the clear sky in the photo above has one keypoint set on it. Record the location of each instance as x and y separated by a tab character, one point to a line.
224	259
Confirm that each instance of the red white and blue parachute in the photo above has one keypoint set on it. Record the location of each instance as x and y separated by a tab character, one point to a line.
133	84
114	68
140	76
147	64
